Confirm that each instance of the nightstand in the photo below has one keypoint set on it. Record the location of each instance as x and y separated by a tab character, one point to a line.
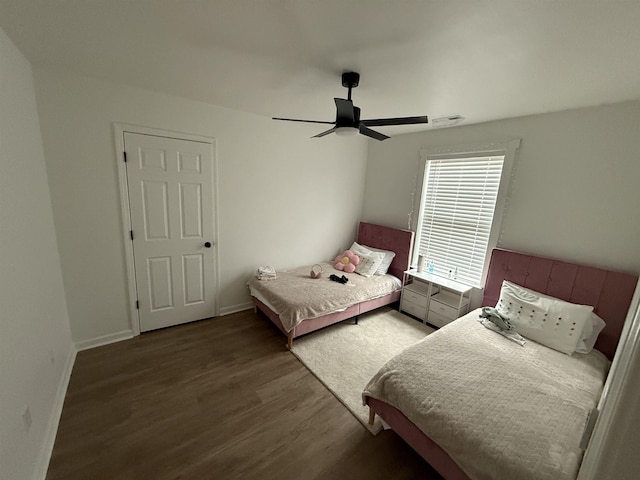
433	299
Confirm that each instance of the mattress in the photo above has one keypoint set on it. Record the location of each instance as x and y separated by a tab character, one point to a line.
498	409
296	297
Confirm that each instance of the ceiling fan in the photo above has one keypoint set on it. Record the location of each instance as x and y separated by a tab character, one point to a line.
348	116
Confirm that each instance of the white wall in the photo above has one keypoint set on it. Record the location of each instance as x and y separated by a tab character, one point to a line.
574	194
284	199
35	343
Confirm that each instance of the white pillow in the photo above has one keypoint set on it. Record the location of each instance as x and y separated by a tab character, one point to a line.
386	261
544	319
590	334
369	263
359	249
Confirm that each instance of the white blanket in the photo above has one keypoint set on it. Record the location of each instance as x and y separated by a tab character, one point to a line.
296	297
500	410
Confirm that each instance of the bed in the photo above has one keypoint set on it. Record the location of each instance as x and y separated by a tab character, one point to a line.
526	419
279	300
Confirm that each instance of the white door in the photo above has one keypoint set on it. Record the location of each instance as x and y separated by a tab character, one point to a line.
170	184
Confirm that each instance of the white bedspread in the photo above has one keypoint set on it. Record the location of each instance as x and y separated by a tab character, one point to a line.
501	411
296	297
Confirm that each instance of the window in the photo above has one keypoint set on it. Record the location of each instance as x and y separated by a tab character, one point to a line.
463	195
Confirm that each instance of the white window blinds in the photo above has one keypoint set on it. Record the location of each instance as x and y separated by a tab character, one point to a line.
457	209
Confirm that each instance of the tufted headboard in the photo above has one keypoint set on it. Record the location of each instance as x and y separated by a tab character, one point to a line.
392	239
608	291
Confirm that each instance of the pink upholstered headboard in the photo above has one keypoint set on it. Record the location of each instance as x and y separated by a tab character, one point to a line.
387	238
609	292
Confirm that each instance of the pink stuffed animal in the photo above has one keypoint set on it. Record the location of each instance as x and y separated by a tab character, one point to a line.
347	261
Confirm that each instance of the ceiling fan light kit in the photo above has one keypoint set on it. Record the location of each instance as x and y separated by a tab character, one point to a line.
348	121
448	121
346	131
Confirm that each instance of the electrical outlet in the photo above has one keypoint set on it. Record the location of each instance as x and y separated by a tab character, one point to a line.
52	357
26	419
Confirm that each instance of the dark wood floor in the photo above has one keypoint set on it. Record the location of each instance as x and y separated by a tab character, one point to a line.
216	399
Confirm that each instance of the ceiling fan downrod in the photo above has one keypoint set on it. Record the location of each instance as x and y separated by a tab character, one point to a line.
350	80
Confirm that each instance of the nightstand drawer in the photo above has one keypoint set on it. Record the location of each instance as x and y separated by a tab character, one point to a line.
413	297
435	299
446	311
438	320
419	311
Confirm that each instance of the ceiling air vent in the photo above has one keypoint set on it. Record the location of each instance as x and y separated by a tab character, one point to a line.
447	121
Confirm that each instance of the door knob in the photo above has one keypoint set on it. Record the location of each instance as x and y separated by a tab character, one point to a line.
207	244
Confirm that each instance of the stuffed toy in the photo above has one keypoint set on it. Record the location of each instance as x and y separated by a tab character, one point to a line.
347	261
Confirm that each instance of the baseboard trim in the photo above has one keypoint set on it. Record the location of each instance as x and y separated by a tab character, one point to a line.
54	418
235	308
104	340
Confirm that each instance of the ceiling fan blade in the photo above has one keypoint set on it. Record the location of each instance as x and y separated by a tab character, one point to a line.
306	121
326	132
344	110
381	122
371	133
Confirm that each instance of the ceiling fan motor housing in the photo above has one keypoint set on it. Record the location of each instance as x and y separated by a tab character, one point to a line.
349	120
350	79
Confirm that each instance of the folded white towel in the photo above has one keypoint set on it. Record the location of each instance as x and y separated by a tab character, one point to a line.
266	273
266	270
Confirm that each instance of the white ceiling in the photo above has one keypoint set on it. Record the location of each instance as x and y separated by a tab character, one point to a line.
484	60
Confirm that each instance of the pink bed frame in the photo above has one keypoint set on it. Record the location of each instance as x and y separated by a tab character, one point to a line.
376	236
608	291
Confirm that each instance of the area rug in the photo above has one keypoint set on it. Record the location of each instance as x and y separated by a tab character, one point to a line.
345	356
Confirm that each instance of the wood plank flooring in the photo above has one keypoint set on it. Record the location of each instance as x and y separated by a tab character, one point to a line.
216	399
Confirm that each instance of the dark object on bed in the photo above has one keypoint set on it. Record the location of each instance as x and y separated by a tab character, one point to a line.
338	279
608	291
376	236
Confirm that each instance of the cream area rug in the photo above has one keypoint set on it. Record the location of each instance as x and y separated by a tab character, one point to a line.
345	356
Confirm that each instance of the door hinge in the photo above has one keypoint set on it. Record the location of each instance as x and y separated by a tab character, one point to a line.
125	156
131	234
137	304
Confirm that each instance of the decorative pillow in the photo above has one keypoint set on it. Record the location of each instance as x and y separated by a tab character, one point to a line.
544	319
590	334
347	261
369	263
386	261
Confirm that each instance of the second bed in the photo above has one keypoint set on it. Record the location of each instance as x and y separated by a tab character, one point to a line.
298	304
